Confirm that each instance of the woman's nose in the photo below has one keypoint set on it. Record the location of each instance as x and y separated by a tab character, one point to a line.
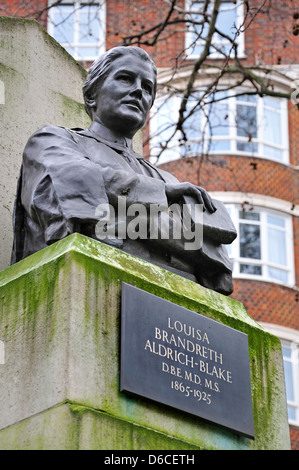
137	89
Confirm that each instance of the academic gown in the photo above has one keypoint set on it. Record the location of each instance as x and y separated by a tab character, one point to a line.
67	173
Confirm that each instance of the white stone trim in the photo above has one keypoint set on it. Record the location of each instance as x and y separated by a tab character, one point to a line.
268	202
282	332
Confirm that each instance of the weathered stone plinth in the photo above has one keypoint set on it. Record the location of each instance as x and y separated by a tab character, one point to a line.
59	389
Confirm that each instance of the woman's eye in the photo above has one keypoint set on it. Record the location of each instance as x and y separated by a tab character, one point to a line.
125	78
148	89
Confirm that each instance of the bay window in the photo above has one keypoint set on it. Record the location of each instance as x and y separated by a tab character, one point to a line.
229	122
290	352
264	247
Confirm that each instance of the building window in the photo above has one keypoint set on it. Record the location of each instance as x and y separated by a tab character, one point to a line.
290	352
290	349
229	21
79	27
264	246
229	122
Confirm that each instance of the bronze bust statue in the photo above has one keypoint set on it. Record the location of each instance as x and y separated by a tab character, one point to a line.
67	174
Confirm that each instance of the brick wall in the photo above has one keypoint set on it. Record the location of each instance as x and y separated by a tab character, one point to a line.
238	173
36	9
271	39
293	111
269	303
294	435
141	16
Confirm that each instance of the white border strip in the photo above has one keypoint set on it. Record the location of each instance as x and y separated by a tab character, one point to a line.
235	197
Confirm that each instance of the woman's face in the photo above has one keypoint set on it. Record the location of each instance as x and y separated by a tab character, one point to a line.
125	97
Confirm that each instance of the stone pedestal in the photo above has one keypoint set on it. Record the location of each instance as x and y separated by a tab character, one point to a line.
60	357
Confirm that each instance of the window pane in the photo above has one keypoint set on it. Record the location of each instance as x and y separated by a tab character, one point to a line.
274	153
288	372
226	23
218	117
292	413
227	19
89	25
246	121
64	19
229	250
197	31
273	220
278	274
272	126
289	367
192	126
249	215
84	52
166	115
277	246
247	98
219	145
287	352
250	269
250	243
248	147
272	102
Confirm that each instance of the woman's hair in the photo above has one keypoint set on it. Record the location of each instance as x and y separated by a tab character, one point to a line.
101	68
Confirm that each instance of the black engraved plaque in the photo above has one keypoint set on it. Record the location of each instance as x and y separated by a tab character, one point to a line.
185	360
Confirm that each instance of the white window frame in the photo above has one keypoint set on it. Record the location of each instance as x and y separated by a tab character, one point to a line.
261	105
231	136
263	262
76	45
290	339
294	361
216	55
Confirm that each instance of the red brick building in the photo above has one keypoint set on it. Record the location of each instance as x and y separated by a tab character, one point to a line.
256	177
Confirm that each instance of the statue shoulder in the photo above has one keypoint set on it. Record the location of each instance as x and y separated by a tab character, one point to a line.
50	130
50	136
50	141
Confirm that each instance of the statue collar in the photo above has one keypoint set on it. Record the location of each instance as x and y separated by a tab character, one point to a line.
123	144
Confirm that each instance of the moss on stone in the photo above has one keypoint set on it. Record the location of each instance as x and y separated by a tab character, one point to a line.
71	109
34	291
10	22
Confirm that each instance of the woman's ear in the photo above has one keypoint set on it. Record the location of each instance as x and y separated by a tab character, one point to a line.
90	103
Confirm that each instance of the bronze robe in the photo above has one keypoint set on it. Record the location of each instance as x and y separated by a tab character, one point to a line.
67	173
